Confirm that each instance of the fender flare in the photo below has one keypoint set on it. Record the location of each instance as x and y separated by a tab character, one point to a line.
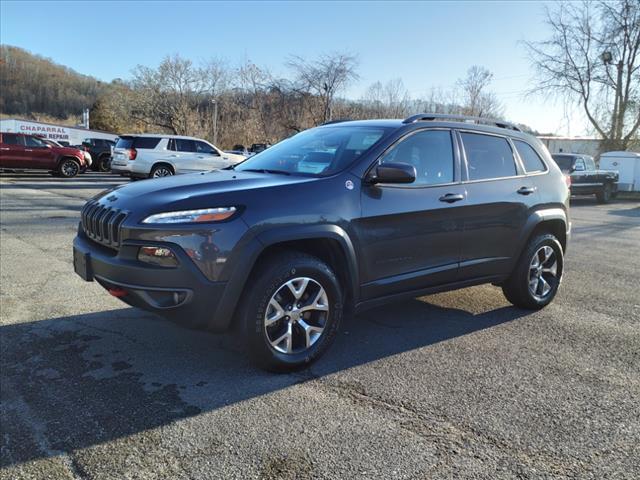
539	216
252	250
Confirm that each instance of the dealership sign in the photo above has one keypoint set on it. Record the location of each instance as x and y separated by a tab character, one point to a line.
48	131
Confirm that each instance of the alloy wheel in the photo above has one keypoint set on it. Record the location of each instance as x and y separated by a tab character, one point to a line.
296	315
69	169
162	172
543	272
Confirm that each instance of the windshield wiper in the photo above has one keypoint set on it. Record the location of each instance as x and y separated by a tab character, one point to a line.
266	170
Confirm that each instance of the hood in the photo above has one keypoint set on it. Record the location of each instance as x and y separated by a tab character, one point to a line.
69	151
180	189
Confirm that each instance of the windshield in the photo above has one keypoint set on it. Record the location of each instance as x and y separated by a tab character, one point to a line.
318	151
564	161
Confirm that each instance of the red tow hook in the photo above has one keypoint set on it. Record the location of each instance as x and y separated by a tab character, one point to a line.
117	292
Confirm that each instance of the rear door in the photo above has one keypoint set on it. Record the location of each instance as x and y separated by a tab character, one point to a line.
410	235
12	150
499	200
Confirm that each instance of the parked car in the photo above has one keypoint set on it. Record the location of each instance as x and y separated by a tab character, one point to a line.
257	148
339	218
627	164
87	156
100	149
29	152
151	156
586	179
239	150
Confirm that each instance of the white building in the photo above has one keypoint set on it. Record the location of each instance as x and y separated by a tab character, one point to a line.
584	145
73	135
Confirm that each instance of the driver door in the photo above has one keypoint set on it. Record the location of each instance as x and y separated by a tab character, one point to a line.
410	234
208	158
38	154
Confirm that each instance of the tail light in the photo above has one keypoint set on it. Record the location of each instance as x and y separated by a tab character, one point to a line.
133	153
567	180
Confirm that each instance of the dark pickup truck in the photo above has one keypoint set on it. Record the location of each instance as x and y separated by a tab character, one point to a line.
586	179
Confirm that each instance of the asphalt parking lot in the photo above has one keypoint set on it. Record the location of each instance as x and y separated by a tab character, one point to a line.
454	385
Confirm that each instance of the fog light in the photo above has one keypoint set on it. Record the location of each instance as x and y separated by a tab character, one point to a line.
162	256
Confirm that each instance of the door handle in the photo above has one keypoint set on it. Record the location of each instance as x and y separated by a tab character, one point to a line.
526	190
452	197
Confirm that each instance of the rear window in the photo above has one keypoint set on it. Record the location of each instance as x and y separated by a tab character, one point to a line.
138	142
532	162
564	161
488	156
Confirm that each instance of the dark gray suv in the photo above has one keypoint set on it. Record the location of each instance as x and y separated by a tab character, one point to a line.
336	219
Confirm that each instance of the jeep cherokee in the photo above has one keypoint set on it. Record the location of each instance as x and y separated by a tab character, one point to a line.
338	218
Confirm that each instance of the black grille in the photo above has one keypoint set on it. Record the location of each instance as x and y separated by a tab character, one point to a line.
102	224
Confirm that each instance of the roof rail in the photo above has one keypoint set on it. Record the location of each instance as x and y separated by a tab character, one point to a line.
330	122
423	117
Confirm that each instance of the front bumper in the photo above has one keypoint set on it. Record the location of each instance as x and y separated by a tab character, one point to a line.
182	294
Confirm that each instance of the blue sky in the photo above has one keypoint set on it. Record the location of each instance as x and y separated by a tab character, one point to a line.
427	45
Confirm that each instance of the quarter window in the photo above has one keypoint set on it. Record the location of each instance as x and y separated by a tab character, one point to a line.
430	152
531	160
488	156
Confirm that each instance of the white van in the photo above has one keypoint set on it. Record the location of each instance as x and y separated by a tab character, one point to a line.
627	164
150	156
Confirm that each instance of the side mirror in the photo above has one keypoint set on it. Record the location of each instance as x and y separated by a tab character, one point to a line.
393	173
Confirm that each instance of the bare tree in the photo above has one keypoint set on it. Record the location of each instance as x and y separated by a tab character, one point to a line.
325	77
390	100
593	58
172	95
475	99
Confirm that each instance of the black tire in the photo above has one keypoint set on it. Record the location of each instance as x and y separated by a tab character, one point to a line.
104	164
517	287
68	168
161	170
606	194
267	282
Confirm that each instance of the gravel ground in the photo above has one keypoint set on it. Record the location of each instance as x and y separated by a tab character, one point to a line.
454	385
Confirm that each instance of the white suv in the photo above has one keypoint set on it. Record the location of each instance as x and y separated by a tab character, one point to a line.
148	156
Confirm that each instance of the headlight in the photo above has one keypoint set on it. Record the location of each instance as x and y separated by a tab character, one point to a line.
192	216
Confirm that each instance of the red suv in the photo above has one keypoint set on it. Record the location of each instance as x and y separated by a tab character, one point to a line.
30	152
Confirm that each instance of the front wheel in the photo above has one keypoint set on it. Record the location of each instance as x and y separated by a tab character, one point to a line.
536	278
291	312
68	168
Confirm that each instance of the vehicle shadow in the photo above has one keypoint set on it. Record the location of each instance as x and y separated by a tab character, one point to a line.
73	382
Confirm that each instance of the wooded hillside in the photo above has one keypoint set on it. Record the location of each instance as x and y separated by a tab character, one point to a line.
33	84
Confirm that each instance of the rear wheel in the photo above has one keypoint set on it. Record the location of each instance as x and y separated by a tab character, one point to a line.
291	312
535	281
161	170
104	164
68	168
606	194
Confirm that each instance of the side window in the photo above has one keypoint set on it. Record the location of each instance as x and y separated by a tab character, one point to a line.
530	158
11	139
205	148
591	165
34	142
183	145
579	165
488	156
430	151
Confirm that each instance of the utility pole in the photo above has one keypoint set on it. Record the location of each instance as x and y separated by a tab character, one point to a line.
215	122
